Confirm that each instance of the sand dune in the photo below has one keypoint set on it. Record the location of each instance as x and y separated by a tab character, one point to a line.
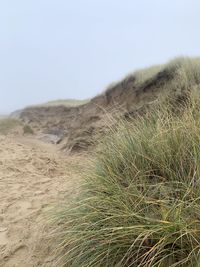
33	177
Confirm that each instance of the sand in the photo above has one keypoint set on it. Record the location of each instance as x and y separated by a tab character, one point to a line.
34	177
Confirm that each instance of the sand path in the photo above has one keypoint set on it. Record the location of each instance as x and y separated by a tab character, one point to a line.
33	177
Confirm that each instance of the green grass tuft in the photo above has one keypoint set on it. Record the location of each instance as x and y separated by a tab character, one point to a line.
185	70
141	203
178	75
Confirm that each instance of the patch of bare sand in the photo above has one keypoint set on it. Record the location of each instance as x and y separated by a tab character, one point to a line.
33	177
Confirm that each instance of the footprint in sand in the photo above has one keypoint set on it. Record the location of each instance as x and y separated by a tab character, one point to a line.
3	236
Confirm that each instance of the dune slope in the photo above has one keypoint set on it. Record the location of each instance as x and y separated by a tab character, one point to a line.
33	177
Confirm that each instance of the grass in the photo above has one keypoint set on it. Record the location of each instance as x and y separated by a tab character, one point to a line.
179	74
7	125
184	70
144	75
27	129
140	203
64	102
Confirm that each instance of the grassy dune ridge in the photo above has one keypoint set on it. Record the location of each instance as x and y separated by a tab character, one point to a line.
185	69
63	102
140	202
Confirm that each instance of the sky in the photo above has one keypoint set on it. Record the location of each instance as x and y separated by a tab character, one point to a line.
60	49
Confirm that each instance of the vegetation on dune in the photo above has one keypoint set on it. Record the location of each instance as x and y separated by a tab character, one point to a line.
8	124
140	203
185	70
178	74
27	129
64	102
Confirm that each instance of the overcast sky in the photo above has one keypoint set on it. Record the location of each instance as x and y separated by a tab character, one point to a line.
54	49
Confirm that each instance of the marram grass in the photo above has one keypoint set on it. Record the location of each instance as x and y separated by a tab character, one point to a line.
140	204
141	200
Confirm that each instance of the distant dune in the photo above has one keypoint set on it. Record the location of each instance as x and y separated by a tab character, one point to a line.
80	123
63	102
